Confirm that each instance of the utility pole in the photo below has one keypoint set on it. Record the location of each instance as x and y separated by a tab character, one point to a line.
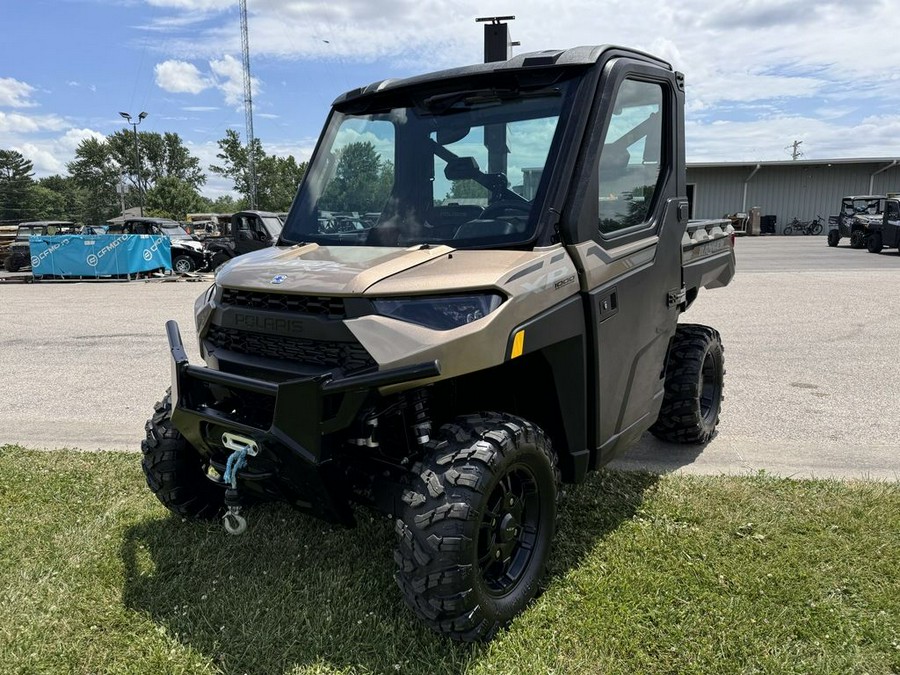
796	153
137	155
248	105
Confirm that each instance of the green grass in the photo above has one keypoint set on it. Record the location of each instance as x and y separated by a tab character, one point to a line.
649	575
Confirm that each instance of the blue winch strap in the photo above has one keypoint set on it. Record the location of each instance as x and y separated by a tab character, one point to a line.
236	461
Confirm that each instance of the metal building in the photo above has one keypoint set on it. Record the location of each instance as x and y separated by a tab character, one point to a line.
790	189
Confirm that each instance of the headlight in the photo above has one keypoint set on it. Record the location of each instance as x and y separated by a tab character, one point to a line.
441	313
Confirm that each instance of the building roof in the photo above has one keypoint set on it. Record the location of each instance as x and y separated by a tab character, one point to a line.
795	162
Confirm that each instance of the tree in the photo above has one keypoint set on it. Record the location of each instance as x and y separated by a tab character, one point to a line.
102	165
96	173
162	155
362	181
277	182
467	189
173	198
235	161
15	181
277	178
65	199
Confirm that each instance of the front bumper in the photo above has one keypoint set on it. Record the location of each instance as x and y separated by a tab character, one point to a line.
286	420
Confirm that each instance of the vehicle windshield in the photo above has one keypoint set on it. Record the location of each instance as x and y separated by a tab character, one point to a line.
174	230
51	229
461	167
273	225
863	206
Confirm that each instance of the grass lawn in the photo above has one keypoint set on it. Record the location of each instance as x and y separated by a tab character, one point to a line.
649	575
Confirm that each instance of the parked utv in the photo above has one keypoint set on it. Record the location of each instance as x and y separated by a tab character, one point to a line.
246	231
885	234
857	214
19	255
188	254
506	322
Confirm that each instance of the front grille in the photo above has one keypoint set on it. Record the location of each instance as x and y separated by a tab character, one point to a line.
350	357
310	305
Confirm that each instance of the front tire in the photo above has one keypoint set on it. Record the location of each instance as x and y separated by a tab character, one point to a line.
175	471
478	524
816	229
874	243
10	265
833	237
693	388
183	264
857	239
787	230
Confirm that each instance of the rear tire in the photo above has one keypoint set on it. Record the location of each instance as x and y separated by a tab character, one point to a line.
874	243
857	239
478	524
9	265
833	237
693	388
175	471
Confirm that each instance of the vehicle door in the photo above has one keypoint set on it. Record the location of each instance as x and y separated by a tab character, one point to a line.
632	216
891	229
246	237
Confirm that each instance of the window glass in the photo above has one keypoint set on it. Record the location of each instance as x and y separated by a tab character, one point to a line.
360	175
630	159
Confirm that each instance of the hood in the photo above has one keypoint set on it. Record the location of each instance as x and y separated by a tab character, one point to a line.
323	270
187	243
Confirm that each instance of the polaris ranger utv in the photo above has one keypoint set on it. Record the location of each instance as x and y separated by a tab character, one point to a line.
507	323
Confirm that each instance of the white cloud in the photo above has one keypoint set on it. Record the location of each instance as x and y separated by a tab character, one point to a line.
17	123
50	155
180	77
193	5
15	94
229	78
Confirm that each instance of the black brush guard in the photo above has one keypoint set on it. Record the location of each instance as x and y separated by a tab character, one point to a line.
286	420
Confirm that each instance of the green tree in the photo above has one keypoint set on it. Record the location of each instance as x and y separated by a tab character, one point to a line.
46	204
95	171
467	189
68	199
235	158
362	181
161	155
15	182
277	182
173	197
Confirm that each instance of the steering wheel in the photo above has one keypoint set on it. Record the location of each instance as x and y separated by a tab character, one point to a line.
500	208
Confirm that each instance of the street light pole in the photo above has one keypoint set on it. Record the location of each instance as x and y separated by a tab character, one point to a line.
137	154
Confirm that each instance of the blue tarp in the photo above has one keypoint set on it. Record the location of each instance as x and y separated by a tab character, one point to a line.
100	255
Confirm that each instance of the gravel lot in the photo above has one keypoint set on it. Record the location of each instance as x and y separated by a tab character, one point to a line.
812	339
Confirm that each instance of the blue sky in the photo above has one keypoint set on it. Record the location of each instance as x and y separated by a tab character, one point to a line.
760	74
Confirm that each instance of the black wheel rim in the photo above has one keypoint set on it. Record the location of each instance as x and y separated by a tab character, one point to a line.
508	532
710	388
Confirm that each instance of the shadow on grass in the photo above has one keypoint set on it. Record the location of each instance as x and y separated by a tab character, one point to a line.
293	592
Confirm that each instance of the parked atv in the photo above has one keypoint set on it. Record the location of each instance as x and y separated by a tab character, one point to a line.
857	214
245	232
503	321
188	254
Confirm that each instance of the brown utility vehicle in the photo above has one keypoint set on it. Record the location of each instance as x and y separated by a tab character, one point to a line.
503	321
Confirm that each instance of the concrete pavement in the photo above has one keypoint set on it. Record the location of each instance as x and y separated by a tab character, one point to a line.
811	333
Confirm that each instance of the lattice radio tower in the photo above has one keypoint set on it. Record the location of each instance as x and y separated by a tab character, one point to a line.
248	105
